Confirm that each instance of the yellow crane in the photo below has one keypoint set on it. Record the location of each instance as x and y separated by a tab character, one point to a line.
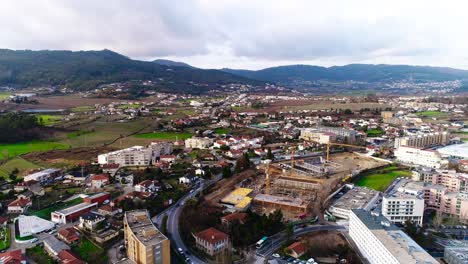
340	144
267	176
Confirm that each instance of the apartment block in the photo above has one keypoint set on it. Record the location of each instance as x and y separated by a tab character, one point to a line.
198	142
423	140
133	156
417	156
402	204
145	243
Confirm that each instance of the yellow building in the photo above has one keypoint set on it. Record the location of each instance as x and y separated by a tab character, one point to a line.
145	243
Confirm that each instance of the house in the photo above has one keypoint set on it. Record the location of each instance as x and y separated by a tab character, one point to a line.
199	172
187	179
297	249
32	186
12	257
229	219
108	209
19	206
99	180
90	221
53	246
211	241
167	158
68	235
67	257
147	186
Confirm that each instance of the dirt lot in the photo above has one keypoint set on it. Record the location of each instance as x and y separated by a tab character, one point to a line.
69	157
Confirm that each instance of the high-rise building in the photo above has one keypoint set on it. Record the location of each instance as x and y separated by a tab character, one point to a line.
379	241
402	204
145	243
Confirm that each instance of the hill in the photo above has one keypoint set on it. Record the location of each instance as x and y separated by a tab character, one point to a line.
172	63
85	70
381	73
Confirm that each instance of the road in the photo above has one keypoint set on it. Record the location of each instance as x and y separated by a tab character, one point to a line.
173	214
280	238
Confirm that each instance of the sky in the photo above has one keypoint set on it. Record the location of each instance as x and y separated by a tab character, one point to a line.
248	34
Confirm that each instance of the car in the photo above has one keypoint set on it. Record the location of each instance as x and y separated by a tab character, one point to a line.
180	250
296	261
276	255
34	240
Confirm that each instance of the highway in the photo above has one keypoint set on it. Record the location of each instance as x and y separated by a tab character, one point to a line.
173	214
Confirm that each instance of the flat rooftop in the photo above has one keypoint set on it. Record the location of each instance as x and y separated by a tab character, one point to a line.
237	196
457	150
282	200
141	225
355	198
75	208
398	243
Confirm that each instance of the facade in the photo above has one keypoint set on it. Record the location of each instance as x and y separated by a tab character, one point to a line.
212	241
133	156
145	243
19	206
416	156
71	213
455	182
354	198
90	221
99	180
423	140
159	149
379	241
198	142
402	204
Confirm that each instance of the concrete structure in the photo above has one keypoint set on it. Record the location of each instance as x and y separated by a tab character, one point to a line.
31	225
72	213
90	221
456	255
379	241
99	198
211	241
336	133
198	142
423	140
292	208
43	176
316	136
457	151
133	156
145	243
353	198
386	114
416	156
401	204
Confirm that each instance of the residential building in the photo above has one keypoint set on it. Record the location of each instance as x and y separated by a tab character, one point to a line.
416	156
339	133
43	176
198	142
53	246
212	241
145	243
90	221
99	180
19	206
402	204
147	186
68	257
133	156
379	241
454	181
160	148
353	197
68	235
229	219
297	249
316	136
423	140
12	257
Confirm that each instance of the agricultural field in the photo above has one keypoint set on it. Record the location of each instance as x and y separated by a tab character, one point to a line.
380	179
82	109
49	120
430	113
16	149
165	135
45	213
4	95
19	163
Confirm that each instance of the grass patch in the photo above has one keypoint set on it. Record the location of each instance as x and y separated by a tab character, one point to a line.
81	109
75	134
19	163
129	106
49	120
165	135
222	130
375	133
430	113
39	255
89	252
380	179
4	95
45	213
16	149
4	238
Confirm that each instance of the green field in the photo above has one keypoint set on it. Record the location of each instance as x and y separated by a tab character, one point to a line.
222	130
4	95
75	134
375	133
90	252
45	213
80	109
129	106
430	113
49	120
165	135
16	149
380	179
18	163
4	238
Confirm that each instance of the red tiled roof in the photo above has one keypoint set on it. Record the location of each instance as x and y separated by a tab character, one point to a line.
211	235
20	202
298	247
235	216
68	257
146	183
69	234
100	177
12	257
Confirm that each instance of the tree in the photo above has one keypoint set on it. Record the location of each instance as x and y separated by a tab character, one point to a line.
348	112
227	172
270	155
243	163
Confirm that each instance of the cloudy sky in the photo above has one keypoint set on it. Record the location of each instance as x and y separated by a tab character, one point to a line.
246	33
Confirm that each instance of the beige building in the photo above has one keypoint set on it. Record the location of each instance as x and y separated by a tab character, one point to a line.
423	140
145	243
198	142
212	241
319	137
386	114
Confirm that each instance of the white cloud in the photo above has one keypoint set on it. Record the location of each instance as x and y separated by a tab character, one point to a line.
246	34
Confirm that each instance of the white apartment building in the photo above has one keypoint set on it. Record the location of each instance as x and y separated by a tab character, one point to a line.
416	156
133	156
198	142
160	148
423	140
402	204
381	242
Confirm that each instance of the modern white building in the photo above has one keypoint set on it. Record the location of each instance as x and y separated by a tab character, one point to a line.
133	156
353	198
402	204
457	151
381	242
417	156
31	225
198	142
43	175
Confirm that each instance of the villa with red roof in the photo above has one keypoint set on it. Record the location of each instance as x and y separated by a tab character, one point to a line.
211	241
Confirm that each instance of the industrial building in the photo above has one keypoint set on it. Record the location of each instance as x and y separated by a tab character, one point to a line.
43	176
144	242
353	197
379	241
30	225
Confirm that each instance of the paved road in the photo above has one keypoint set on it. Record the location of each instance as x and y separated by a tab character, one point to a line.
278	239
173	214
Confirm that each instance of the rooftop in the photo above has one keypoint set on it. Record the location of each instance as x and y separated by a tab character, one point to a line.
212	235
289	201
75	208
458	150
142	227
357	197
238	197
